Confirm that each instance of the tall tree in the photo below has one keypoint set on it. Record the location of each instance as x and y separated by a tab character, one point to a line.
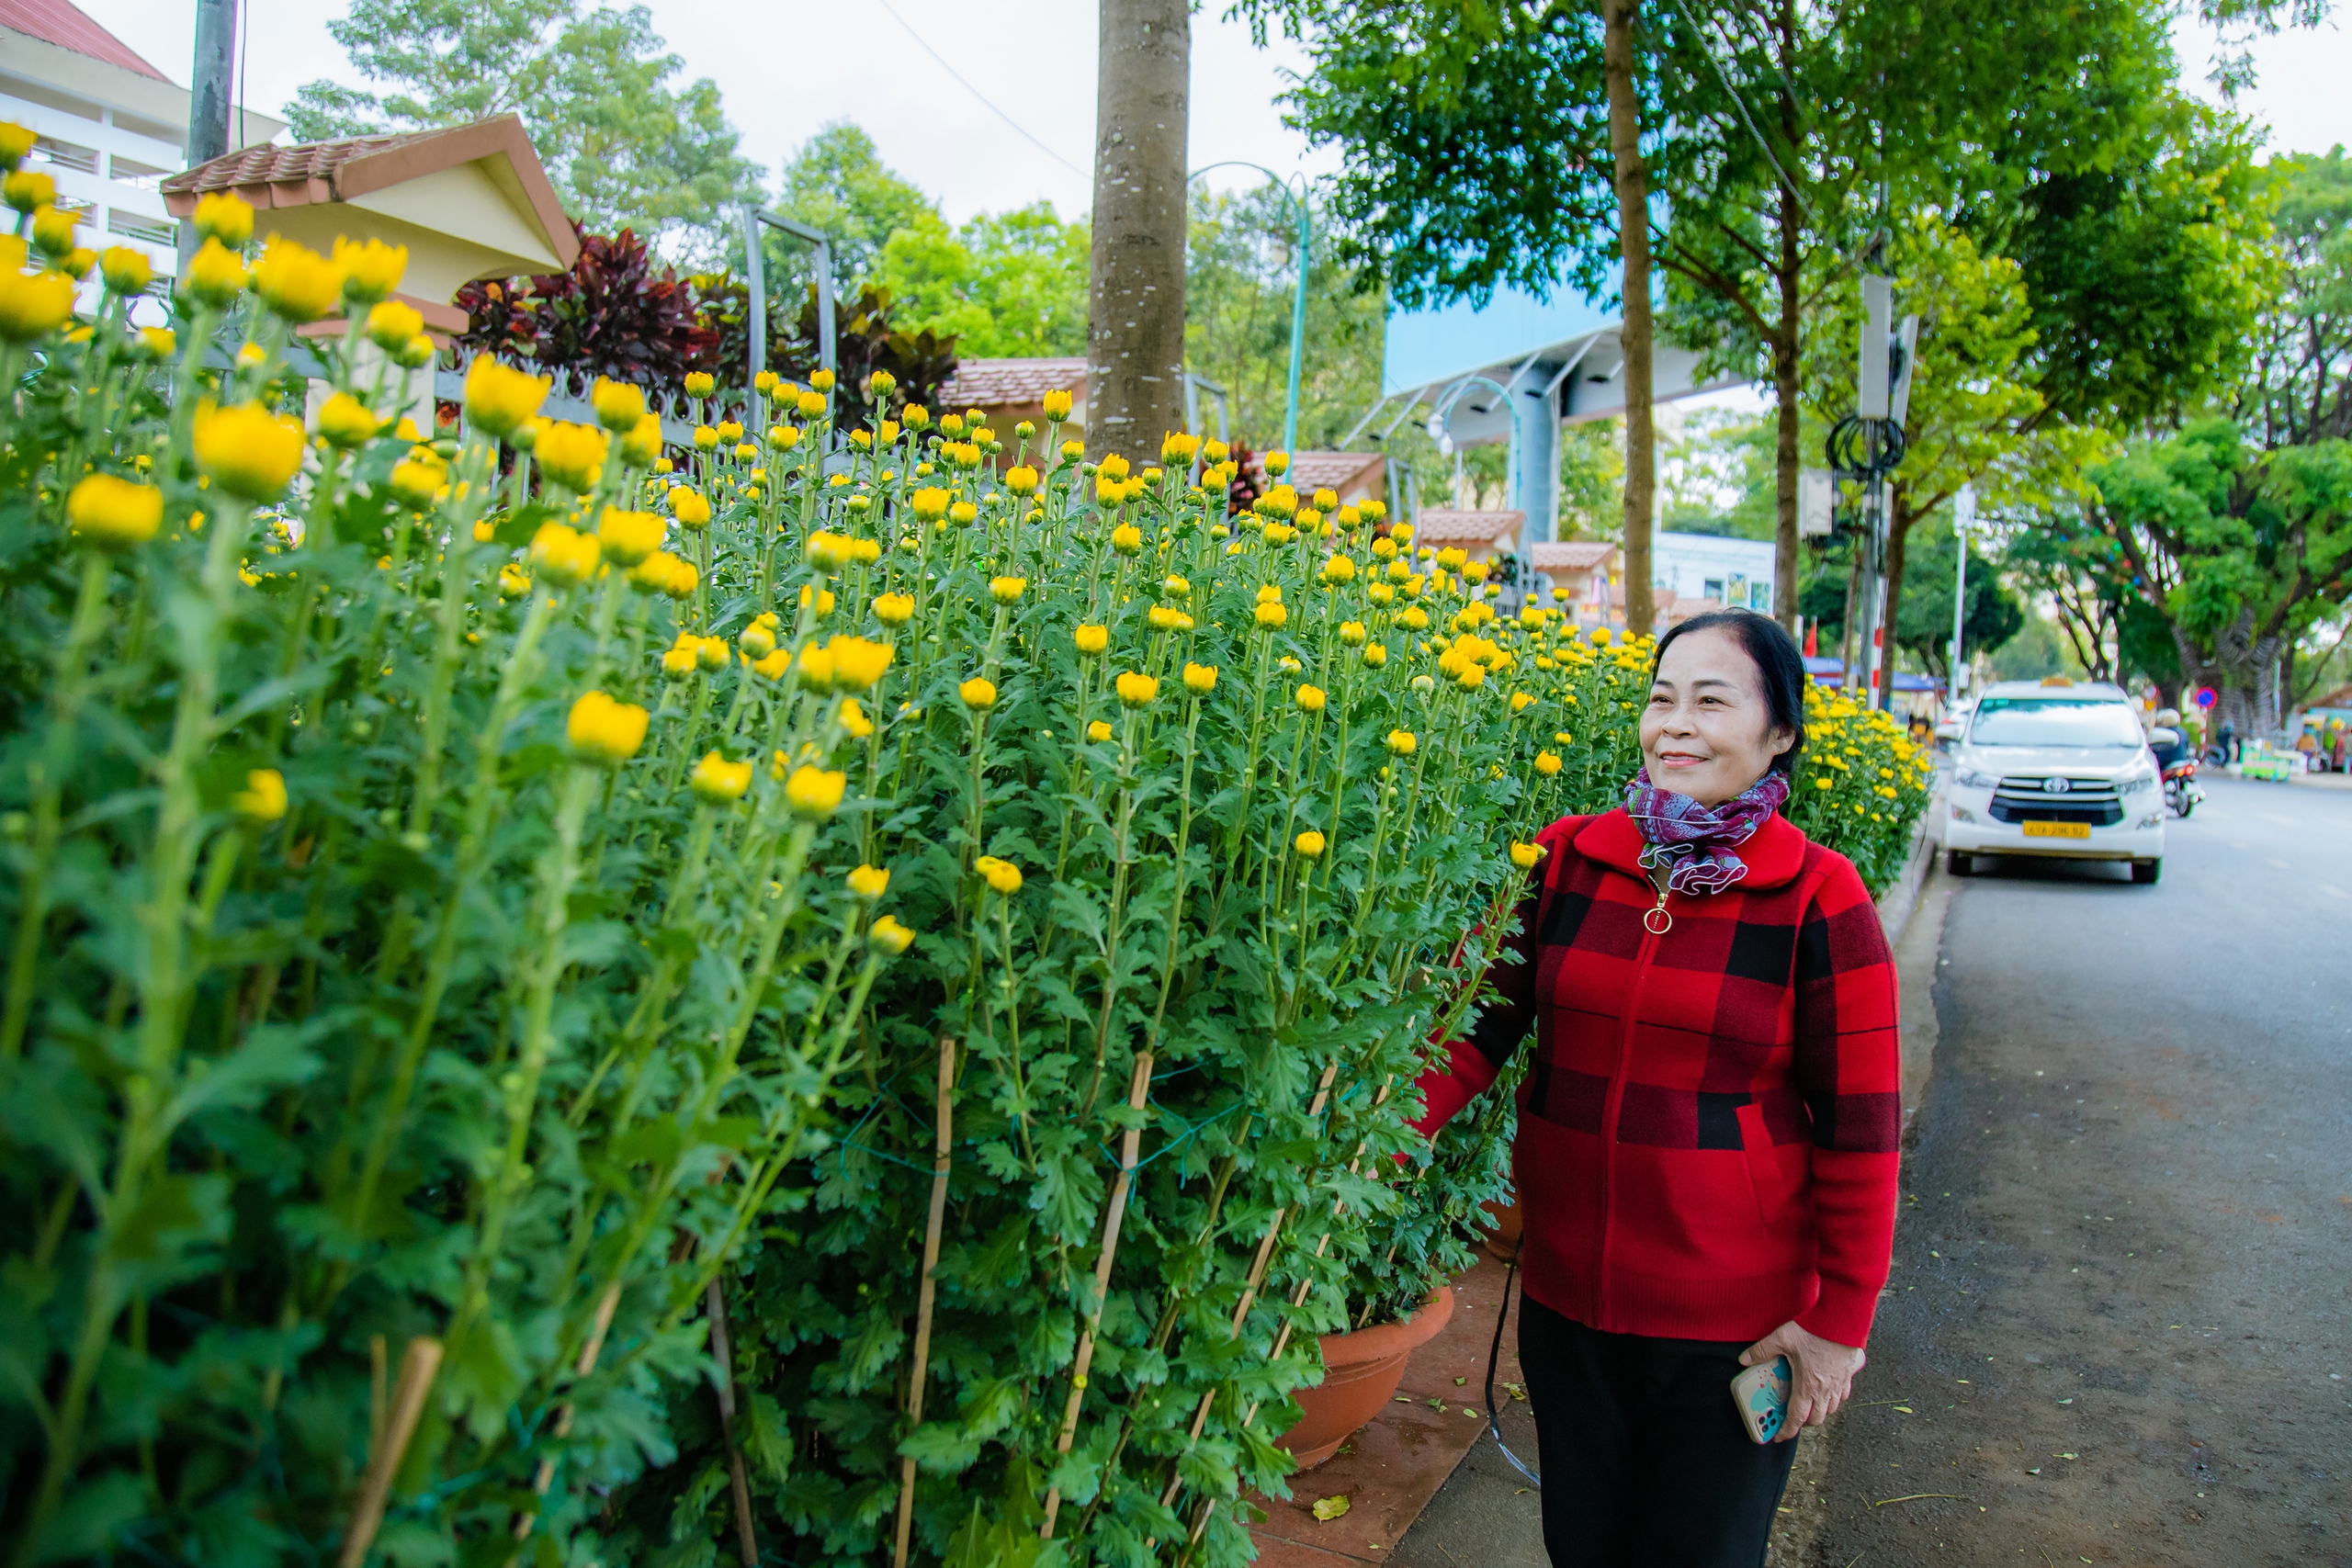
623	148
838	182
1241	279
1619	18
1135	339
1007	285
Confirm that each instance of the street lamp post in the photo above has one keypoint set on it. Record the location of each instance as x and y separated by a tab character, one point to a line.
1298	303
1964	521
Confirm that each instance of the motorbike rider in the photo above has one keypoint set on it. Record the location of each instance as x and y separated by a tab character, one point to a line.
2166	741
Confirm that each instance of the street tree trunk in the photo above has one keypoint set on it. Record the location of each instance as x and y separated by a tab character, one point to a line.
1135	338
1788	276
1618	17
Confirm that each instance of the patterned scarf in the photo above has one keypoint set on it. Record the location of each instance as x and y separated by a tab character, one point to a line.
1695	842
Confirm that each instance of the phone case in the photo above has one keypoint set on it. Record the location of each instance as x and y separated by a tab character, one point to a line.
1762	1395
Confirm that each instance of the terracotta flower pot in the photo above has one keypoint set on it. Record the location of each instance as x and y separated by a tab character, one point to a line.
1360	1371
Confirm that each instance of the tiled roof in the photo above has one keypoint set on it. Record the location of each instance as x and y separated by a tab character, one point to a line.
1311	471
998	383
67	25
1578	555
1444	523
298	165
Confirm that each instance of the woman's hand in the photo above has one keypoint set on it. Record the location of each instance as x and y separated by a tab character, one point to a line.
1822	1374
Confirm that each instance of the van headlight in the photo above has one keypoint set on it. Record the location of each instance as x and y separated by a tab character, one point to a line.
1973	778
2132	783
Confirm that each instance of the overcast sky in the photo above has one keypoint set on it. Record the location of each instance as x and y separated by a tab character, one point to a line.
786	69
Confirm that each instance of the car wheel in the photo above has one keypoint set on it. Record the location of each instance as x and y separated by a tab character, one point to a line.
2146	870
1959	863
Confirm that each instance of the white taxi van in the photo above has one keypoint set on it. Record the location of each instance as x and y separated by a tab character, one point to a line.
2057	768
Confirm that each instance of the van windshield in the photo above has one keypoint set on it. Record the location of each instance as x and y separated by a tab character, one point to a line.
2055	721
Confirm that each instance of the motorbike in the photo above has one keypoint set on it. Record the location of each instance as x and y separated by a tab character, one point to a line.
2182	792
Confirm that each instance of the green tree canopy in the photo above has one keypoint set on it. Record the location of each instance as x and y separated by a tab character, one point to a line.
624	147
837	182
1009	285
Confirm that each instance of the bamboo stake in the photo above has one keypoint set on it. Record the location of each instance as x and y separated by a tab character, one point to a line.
945	1120
1137	1090
419	1364
597	1329
379	1389
746	1540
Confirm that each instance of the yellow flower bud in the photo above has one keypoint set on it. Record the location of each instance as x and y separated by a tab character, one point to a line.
627	538
246	450
264	797
1272	614
114	514
719	780
1126	538
1524	856
1007	590
1091	639
1057	405
33	305
815	793
571	455
689	508
1311	699
602	730
1403	742
869	883
1098	731
1200	679
894	609
564	556
978	694
1309	845
1547	763
889	936
1022	480
618	404
1001	875
1136	689
297	283
225	219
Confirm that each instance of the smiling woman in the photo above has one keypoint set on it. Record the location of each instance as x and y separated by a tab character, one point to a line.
1706	1151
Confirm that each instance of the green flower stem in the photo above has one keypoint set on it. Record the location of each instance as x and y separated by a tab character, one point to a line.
48	772
520	1085
482	804
166	987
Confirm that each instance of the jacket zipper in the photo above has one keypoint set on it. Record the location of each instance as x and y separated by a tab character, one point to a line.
1651	931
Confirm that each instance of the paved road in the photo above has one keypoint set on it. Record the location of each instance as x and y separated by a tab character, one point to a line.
2120	1318
2120	1325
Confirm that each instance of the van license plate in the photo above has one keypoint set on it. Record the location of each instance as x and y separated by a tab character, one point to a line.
2057	829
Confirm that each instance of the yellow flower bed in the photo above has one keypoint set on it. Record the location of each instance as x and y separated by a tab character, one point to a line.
495	915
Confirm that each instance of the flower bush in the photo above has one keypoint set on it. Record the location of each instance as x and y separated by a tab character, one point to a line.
852	991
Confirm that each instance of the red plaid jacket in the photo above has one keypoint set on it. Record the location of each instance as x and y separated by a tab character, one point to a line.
1708	1134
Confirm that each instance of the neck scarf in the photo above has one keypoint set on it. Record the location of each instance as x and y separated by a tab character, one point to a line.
1697	843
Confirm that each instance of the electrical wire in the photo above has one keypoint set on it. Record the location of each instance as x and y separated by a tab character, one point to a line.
1494	1354
984	98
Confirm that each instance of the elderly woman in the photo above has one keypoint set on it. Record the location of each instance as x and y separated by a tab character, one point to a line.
1707	1135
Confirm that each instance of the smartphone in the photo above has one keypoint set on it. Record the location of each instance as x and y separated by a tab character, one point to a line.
1761	1394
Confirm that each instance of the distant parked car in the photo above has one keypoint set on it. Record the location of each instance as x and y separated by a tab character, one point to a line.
1955	720
2057	768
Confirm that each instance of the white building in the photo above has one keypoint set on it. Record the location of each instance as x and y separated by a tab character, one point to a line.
1704	566
110	125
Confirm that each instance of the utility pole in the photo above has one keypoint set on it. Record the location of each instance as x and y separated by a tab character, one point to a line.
211	93
1867	447
1963	522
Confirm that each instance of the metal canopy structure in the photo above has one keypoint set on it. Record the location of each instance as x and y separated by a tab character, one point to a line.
1515	369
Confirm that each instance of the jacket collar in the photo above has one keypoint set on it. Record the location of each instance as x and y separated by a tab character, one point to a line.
1774	853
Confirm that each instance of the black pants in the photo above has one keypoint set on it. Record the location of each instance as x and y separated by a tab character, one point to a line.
1644	1461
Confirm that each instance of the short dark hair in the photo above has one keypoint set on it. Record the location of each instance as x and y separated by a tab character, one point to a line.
1777	660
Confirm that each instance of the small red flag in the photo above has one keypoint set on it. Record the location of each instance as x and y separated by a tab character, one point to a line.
1813	640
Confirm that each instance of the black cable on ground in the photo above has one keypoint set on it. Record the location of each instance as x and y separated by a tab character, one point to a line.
1493	1355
